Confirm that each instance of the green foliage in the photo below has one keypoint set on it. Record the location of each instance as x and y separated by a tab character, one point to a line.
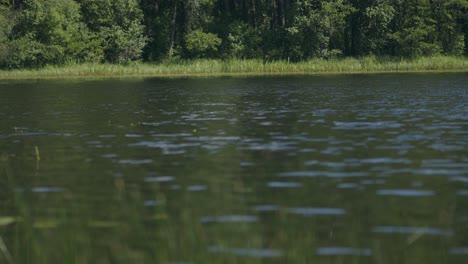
379	16
202	44
118	26
123	46
39	32
243	41
335	14
448	15
23	51
307	36
48	32
415	41
7	22
416	35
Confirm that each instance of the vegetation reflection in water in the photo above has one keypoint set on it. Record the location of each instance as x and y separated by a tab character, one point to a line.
342	169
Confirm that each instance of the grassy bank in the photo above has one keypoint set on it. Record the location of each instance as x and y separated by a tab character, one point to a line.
244	67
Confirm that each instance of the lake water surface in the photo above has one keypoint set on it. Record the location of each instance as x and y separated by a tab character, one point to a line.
318	169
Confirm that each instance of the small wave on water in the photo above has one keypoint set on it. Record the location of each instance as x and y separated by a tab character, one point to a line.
272	146
197	188
348	185
328	174
314	211
462	192
266	208
229	219
151	203
109	156
42	189
135	161
367	125
160	179
380	160
278	184
343	251
459	179
373	182
412	230
458	251
47	189
163	144
246	252
405	192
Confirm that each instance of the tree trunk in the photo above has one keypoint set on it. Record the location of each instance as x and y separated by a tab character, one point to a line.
273	14
283	15
174	26
466	41
245	11
254	14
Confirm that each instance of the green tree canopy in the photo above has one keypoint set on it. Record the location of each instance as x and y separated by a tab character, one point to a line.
39	32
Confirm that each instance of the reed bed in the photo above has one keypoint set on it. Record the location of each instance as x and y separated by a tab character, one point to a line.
235	67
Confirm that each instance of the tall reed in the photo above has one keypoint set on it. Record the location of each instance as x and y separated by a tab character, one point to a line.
206	67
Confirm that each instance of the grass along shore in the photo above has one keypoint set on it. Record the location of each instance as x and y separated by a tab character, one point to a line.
244	67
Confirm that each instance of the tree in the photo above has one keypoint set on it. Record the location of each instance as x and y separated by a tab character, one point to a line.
306	35
335	14
242	40
39	32
202	44
451	18
118	24
48	32
414	31
378	16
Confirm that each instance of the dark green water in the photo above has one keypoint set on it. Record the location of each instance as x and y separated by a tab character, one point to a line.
320	169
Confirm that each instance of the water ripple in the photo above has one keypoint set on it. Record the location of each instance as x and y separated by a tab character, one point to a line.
159	179
383	161
458	251
273	146
412	230
329	174
441	172
162	145
135	161
347	185
343	251
197	188
42	189
151	203
366	125
459	179
266	208
247	252
405	192
229	219
47	189
276	184
373	182
311	211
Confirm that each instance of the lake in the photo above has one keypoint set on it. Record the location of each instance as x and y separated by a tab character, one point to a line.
366	168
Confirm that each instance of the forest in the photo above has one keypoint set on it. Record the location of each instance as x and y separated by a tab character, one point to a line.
35	33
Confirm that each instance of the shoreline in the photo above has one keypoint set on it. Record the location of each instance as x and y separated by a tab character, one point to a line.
243	68
208	75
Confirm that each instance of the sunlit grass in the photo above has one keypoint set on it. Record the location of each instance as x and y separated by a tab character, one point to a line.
244	67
